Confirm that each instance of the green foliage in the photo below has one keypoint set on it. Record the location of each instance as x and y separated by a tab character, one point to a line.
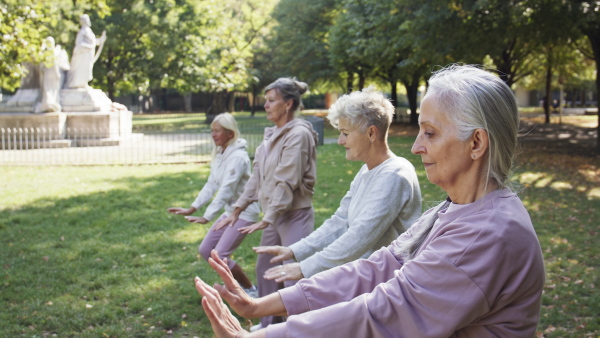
301	39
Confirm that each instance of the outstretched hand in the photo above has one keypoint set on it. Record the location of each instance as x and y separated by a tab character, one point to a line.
196	219
223	323
281	253
231	290
229	220
253	227
284	272
182	211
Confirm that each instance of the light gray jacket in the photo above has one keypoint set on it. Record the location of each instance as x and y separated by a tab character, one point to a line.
380	205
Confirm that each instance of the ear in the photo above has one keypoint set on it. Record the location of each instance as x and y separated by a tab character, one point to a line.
479	143
372	133
288	105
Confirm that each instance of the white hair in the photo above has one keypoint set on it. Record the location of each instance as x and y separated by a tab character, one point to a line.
363	109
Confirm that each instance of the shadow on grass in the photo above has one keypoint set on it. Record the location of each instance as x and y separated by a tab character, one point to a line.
111	262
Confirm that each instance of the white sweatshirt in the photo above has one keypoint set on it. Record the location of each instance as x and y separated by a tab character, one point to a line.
229	172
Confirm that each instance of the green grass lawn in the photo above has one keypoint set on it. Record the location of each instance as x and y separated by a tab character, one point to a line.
91	251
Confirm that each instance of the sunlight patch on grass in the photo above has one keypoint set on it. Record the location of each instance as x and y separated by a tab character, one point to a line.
561	186
324	210
150	286
191	235
544	182
529	177
531	206
594	194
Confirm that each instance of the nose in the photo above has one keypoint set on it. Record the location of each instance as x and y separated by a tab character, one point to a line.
341	139
417	148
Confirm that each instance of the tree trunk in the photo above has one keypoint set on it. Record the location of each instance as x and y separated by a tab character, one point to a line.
253	104
362	78
412	89
594	37
394	93
110	81
230	99
217	106
548	84
349	82
187	102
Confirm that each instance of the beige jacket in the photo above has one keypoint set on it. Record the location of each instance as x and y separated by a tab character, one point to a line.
285	170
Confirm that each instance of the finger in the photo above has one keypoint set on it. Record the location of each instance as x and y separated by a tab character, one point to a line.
277	259
214	254
204	289
244	230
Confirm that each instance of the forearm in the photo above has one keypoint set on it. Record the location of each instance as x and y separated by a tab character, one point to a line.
270	305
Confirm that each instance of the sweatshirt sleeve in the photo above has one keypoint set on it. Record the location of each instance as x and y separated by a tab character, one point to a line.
331	229
208	190
415	302
388	193
289	173
250	193
234	171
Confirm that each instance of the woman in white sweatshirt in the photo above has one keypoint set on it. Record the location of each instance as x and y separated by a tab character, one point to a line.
229	172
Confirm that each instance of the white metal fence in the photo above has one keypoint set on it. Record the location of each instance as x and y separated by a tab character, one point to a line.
80	147
147	144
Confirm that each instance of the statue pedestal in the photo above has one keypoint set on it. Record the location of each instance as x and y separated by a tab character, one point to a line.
84	100
82	128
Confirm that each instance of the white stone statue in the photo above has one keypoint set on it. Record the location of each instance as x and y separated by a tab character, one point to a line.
51	73
83	58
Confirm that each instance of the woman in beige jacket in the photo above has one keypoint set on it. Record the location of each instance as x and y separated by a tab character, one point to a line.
283	180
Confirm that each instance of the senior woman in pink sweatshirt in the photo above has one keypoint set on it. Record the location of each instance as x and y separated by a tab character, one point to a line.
282	181
470	267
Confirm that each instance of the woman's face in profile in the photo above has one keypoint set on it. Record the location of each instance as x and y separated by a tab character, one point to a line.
220	135
445	157
275	106
354	142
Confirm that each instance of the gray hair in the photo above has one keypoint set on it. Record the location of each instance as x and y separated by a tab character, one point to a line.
475	98
289	89
363	109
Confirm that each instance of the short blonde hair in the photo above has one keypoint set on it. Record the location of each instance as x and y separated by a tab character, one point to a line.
228	122
363	109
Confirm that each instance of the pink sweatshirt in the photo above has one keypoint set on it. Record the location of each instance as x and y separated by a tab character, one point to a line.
479	273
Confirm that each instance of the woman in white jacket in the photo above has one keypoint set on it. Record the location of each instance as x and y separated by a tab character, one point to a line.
229	172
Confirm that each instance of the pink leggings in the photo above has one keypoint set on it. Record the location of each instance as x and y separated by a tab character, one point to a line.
288	229
225	241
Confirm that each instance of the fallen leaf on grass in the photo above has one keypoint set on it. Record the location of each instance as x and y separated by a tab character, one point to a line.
46	258
551	286
88	306
550	329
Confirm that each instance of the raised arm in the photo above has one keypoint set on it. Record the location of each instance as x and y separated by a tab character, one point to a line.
388	193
